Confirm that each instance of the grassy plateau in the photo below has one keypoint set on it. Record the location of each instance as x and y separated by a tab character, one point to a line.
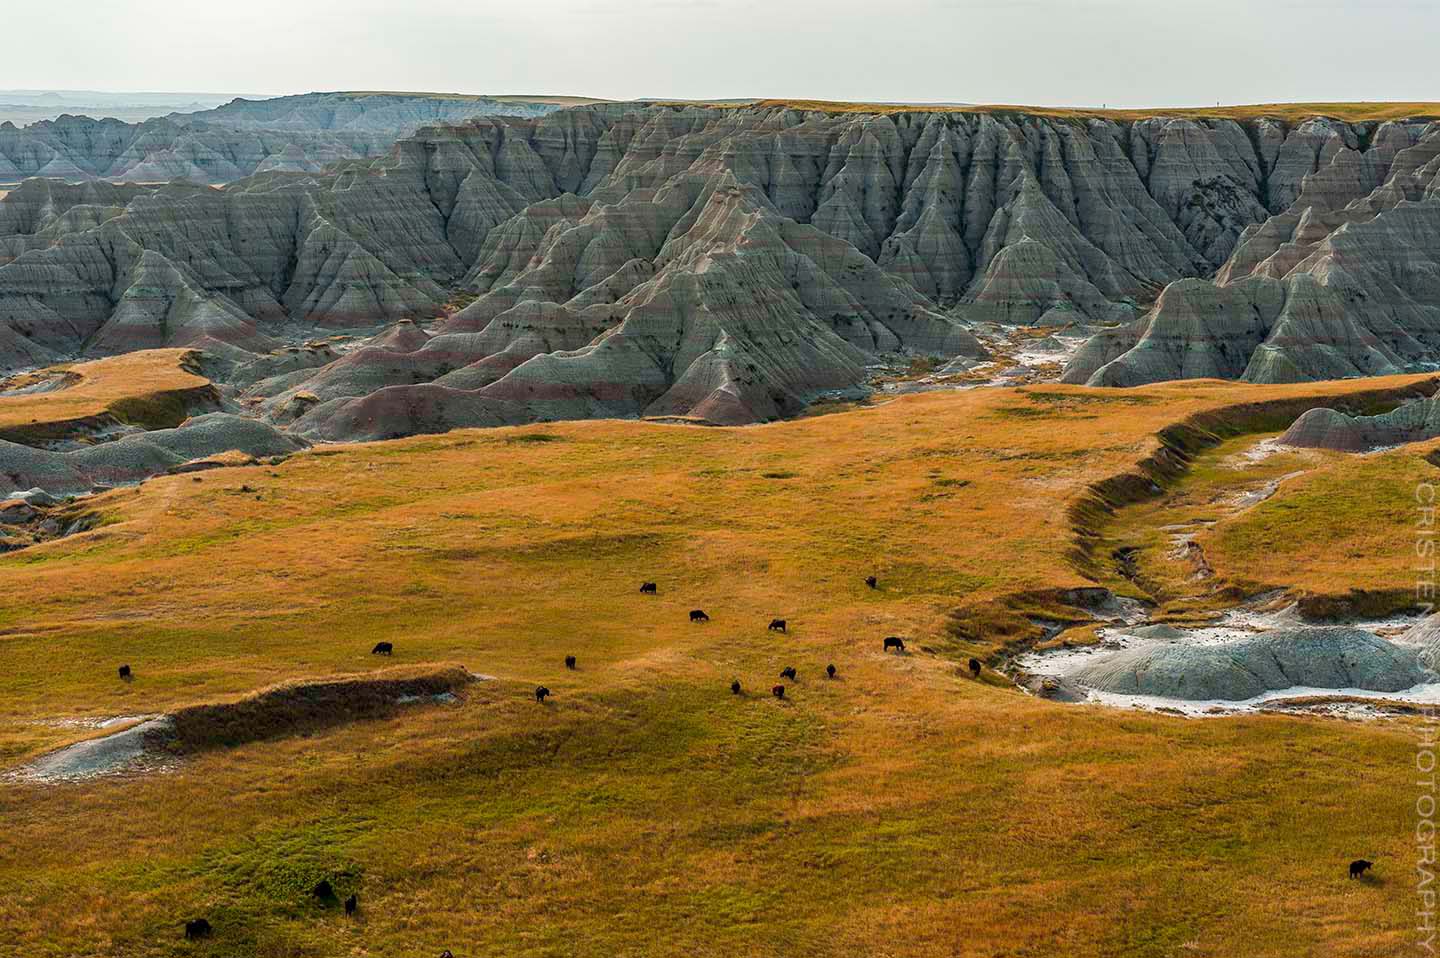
151	388
1353	112
901	809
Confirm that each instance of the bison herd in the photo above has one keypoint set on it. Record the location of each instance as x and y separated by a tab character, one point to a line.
780	625
776	625
323	892
890	643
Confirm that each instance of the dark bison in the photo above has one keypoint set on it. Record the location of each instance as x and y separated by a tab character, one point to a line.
197	928
894	642
788	673
446	954
352	904
872	582
383	648
1359	867
975	667
830	671
735	687
540	693
777	625
778	691
323	890
647	588
698	615
124	671
569	661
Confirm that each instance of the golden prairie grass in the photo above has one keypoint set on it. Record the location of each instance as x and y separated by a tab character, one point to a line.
1219	486
150	387
901	809
1337	533
1341	535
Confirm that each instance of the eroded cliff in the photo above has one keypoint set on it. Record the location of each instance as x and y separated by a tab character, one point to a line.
733	264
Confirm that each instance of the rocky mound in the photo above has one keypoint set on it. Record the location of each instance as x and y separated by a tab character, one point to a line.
137	456
1322	658
1332	429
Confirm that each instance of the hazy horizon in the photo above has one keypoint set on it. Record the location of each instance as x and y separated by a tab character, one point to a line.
1120	53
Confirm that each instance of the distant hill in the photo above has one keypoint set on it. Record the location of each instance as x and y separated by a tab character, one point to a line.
294	134
397	114
23	107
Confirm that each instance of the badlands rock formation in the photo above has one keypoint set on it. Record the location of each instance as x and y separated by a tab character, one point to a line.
292	134
1315	657
733	264
1332	429
135	457
1341	282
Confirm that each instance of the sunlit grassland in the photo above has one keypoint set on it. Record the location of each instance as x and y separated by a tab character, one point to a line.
1347	527
901	809
151	388
1210	495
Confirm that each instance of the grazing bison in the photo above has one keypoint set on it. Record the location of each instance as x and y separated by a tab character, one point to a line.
777	625
830	670
778	691
383	648
648	588
788	673
323	890
894	642
569	661
872	582
975	667
124	671
1359	867
698	615
197	928
446	954
540	693
735	687
352	904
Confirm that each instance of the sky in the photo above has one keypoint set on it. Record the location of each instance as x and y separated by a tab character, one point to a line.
1034	52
